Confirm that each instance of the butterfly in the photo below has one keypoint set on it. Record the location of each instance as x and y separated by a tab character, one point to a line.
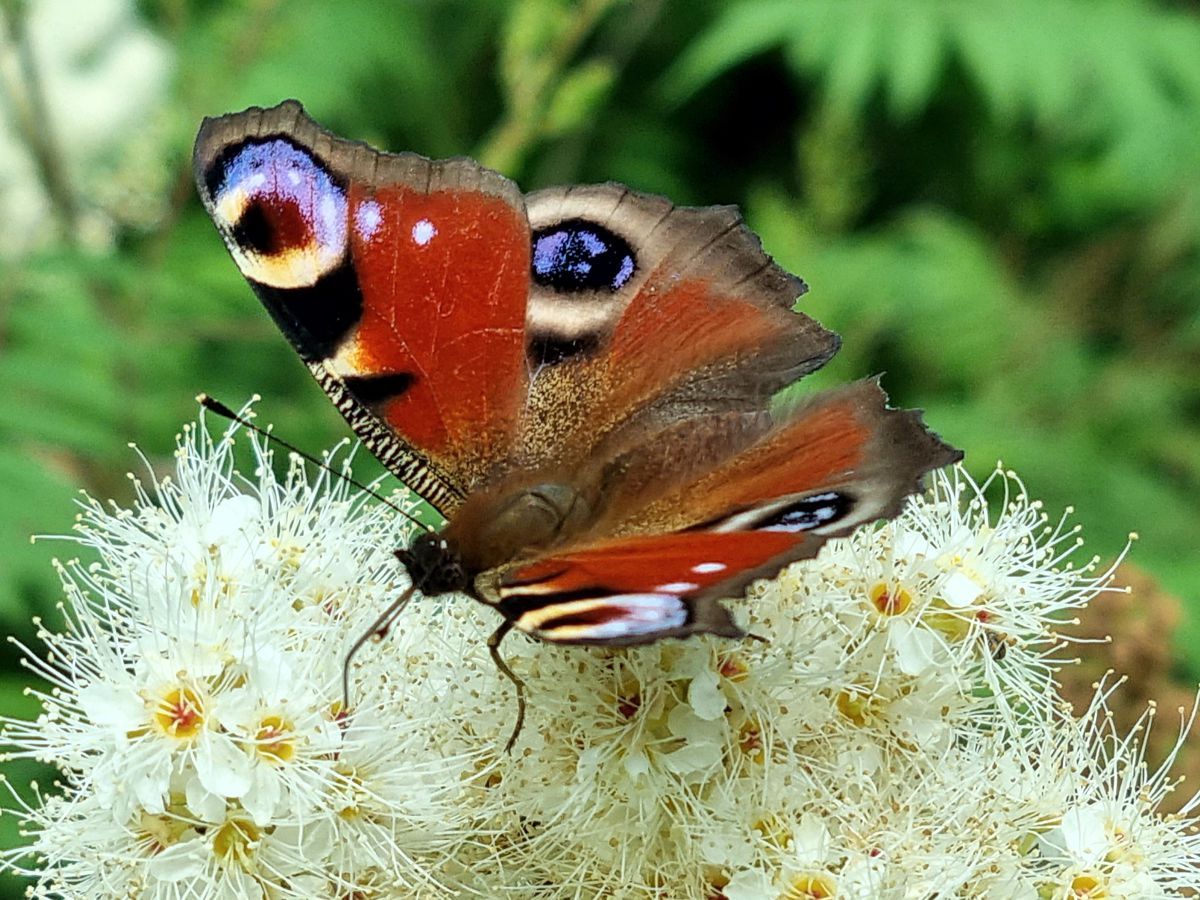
583	381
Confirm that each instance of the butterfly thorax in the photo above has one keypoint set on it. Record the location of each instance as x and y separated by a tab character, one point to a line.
506	523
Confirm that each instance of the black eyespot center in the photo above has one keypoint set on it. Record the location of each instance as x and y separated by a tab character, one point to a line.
373	390
578	255
255	231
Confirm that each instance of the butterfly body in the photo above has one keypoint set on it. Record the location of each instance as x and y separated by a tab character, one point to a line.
582	380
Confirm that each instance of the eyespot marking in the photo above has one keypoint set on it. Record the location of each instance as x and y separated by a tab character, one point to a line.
809	513
281	212
577	255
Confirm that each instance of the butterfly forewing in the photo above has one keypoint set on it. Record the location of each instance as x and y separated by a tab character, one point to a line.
642	313
402	282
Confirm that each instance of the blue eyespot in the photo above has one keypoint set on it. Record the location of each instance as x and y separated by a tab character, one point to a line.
282	213
577	255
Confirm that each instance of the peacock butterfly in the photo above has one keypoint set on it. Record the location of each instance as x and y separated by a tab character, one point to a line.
581	380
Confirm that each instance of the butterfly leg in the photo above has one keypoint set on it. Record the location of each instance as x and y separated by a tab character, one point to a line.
494	649
378	629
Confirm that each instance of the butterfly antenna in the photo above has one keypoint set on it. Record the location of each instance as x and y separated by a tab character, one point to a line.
378	628
221	409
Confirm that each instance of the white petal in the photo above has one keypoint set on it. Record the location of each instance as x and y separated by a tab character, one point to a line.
223	768
181	862
693	757
636	764
748	884
262	798
152	783
1084	832
960	590
915	647
230	518
118	707
910	544
705	697
203	803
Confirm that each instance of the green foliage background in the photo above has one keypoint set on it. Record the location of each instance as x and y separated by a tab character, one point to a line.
997	204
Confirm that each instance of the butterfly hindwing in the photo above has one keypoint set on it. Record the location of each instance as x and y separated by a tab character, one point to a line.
837	461
634	590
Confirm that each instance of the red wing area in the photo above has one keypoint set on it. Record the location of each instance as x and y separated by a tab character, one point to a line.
824	445
636	590
444	277
697	325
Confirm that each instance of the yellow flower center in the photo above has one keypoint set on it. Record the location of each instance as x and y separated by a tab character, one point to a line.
352	793
179	713
810	886
889	601
1087	886
750	740
774	831
236	841
158	832
717	882
857	705
734	668
275	741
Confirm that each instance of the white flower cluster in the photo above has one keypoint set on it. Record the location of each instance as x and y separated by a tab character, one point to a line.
898	735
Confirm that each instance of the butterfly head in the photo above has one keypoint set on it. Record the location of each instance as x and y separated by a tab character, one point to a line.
434	565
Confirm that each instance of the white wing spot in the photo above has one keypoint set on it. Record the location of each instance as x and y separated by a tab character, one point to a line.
709	568
677	587
423	232
367	218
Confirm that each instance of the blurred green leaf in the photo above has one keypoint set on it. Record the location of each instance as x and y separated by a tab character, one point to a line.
578	97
